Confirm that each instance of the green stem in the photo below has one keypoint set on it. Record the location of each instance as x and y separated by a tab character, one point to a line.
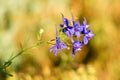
35	45
9	62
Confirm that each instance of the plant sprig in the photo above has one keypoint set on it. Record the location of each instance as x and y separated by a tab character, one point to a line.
9	62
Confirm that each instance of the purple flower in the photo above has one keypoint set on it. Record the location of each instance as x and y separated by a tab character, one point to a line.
76	47
85	27
88	36
66	28
77	28
59	46
87	33
69	31
66	22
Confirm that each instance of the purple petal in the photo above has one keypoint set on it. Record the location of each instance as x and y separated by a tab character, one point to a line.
53	48
77	33
84	22
57	40
80	28
76	43
63	46
55	52
73	52
61	25
89	35
85	30
76	24
68	33
66	21
72	31
85	40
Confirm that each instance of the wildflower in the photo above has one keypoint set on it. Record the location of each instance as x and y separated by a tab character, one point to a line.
88	36
66	22
59	45
76	47
77	28
85	27
66	28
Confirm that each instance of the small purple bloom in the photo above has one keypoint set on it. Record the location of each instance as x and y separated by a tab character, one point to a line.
76	47
88	36
59	46
66	21
66	28
85	27
69	31
77	28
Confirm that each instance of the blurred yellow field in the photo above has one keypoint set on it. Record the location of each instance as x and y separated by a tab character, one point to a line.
23	23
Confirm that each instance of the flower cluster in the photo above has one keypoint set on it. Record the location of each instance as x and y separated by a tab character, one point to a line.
74	32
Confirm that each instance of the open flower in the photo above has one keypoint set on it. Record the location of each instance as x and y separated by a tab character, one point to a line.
66	28
59	46
77	27
85	27
76	47
88	36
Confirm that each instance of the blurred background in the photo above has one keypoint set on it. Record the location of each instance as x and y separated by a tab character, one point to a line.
21	20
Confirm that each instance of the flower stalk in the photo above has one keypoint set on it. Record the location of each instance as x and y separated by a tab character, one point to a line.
9	62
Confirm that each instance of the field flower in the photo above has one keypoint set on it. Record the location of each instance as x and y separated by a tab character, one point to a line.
76	47
88	36
76	29
85	27
66	28
59	46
